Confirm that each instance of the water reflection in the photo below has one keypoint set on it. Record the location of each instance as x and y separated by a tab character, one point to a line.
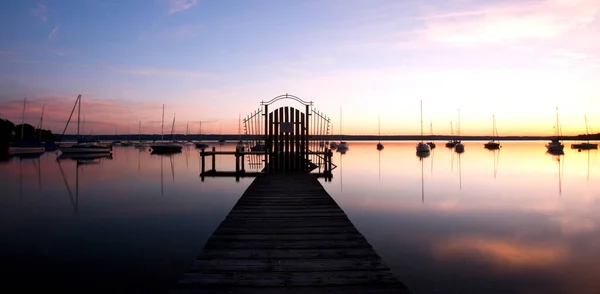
80	161
532	225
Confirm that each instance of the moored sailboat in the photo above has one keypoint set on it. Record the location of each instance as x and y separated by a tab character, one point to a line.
379	145
494	143
422	148
585	145
342	146
431	143
459	147
83	146
451	143
166	147
555	146
25	147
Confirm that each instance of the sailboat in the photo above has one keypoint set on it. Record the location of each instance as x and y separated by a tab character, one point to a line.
379	145
187	134
459	147
166	147
83	146
431	143
333	145
451	143
22	146
240	146
48	145
555	146
494	143
585	145
128	142
141	144
343	146
200	145
422	148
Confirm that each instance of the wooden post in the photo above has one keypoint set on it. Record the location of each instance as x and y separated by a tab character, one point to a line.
213	159
202	155
243	163
237	161
330	155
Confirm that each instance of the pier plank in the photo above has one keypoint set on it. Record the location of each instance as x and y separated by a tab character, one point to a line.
287	235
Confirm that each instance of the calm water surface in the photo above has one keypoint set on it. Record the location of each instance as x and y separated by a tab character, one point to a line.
515	220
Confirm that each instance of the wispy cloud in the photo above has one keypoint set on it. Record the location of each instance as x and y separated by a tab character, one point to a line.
564	57
53	33
5	52
181	5
41	12
164	72
511	22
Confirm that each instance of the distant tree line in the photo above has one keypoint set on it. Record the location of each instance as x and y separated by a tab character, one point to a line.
9	132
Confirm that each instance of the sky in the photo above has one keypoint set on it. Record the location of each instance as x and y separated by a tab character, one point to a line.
213	61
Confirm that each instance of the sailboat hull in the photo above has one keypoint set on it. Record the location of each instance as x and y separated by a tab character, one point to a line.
166	148
25	150
77	149
584	146
492	145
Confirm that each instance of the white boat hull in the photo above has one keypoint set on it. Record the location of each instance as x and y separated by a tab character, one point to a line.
84	150
25	150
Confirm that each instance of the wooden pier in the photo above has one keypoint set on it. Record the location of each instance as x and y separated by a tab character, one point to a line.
287	235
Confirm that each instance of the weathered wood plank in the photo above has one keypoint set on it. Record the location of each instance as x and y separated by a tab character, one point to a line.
225	230
285	237
292	265
289	279
310	253
288	244
355	289
241	223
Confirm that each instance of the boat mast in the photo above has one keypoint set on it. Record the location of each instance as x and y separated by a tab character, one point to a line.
173	128
42	122
452	131
557	128
78	117
421	121
587	131
493	127
162	125
458	127
341	138
379	128
431	129
23	118
140	131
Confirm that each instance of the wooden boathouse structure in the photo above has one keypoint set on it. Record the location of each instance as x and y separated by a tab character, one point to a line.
286	234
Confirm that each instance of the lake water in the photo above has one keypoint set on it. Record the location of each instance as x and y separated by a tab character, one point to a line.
516	220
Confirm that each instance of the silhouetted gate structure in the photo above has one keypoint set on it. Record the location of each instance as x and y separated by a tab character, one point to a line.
285	139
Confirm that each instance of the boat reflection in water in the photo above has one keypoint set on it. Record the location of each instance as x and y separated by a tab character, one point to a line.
81	159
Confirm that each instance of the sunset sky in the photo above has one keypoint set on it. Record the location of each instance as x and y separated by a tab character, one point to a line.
215	60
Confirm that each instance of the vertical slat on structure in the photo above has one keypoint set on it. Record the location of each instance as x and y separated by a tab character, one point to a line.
292	140
276	140
269	144
297	141
280	164
286	162
268	119
307	137
303	141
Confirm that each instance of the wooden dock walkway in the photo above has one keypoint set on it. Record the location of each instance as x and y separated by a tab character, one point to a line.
287	235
